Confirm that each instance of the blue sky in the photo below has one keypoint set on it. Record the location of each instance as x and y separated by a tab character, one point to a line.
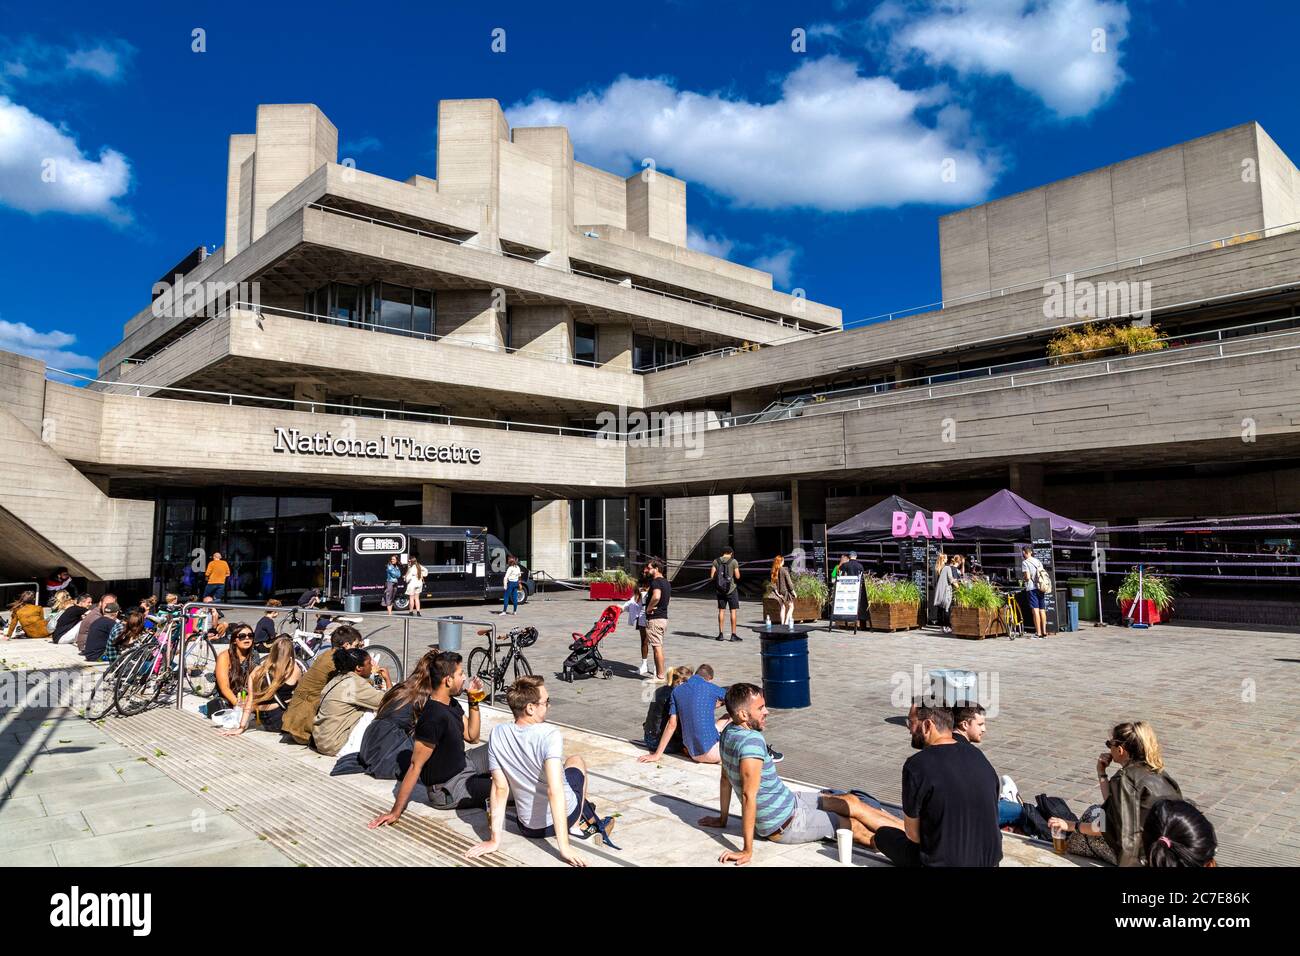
824	165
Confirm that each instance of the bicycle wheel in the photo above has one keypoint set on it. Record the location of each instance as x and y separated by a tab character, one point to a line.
99	702
383	657
200	668
136	684
480	666
521	668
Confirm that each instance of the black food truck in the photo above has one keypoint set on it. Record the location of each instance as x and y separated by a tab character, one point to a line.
460	562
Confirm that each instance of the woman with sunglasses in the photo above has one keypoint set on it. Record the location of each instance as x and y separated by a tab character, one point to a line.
235	664
1127	797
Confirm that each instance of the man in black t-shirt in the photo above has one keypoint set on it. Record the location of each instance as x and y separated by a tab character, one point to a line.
950	800
456	779
656	614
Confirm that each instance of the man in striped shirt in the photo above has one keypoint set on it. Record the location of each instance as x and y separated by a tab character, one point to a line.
768	808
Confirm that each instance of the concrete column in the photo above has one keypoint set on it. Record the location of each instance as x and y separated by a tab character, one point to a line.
469	160
614	345
435	506
550	526
656	206
241	149
293	141
469	316
1026	480
544	330
551	145
308	392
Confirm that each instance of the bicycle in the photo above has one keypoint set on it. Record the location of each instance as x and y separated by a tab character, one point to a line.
480	659
308	645
1012	620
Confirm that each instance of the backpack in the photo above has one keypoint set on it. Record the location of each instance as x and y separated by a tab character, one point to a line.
722	579
1043	580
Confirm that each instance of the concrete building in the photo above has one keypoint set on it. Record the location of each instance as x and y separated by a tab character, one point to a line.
525	341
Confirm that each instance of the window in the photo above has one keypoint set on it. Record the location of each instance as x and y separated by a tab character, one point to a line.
394	307
422	311
599	534
584	342
383	306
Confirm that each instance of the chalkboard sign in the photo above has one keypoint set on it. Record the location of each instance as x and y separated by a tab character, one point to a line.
1040	533
819	551
847	602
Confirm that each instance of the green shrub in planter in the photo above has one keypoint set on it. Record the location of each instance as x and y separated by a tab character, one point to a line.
1157	588
892	590
615	576
976	593
807	587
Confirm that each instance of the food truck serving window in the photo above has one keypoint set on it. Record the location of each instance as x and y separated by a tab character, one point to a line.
440	557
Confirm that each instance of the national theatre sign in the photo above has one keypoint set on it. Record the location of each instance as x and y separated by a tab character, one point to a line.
399	447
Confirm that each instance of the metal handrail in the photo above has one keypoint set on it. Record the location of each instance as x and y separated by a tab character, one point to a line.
36	586
1089	370
434	417
1192	339
1262	233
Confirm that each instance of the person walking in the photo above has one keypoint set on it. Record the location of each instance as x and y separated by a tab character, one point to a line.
783	589
217	572
724	574
392	577
415	575
511	578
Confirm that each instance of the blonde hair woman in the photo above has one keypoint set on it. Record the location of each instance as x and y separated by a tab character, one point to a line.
783	589
271	686
1127	796
415	575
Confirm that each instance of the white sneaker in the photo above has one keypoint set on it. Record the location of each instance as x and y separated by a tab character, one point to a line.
645	667
1009	790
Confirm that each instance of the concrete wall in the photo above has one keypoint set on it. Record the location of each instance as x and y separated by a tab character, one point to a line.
1185	194
550	538
241	149
293	141
470	317
1279	182
656	206
542	330
598	197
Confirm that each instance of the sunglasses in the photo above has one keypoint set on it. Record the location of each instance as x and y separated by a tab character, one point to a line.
1114	743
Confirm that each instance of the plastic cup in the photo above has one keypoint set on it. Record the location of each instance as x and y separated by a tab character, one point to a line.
844	843
1060	838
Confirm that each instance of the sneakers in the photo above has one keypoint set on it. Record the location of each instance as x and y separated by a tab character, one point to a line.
734	636
776	755
644	669
719	637
1009	790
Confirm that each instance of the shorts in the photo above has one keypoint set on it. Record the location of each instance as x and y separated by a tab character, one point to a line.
574	779
655	629
468	789
809	824
731	600
1035	598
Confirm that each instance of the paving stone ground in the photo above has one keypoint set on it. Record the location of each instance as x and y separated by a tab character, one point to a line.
1222	701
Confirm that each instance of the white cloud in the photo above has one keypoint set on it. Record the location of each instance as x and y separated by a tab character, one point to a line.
779	264
49	347
709	243
34	63
834	140
1065	52
43	170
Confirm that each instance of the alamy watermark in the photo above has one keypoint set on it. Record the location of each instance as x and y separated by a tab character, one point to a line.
183	299
1084	299
638	429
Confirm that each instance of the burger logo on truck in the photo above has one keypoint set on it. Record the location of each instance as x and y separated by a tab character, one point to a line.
380	544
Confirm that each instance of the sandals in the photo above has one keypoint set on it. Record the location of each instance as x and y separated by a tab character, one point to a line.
598	828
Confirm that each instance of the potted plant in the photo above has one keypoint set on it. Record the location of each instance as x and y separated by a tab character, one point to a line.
810	594
1157	596
975	606
893	603
613	585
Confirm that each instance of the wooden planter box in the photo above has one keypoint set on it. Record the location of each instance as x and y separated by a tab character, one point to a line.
805	610
975	622
1150	613
893	617
606	591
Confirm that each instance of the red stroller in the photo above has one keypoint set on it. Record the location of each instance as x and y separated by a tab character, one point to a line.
584	653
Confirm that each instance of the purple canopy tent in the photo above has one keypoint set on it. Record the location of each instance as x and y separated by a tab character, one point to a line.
1004	516
876	523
